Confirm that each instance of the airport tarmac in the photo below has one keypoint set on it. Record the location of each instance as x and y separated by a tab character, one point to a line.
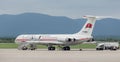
43	55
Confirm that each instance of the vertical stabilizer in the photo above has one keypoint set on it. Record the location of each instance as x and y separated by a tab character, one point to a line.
89	25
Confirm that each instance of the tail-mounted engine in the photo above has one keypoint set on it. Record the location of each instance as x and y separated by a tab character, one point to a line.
67	39
70	39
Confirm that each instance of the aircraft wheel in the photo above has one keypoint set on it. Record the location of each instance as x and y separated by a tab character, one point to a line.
51	48
66	48
63	48
24	48
80	49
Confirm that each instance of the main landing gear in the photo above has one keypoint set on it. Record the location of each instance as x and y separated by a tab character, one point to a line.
51	48
27	47
24	48
66	48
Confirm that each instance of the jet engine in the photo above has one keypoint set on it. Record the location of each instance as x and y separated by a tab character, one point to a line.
70	39
67	39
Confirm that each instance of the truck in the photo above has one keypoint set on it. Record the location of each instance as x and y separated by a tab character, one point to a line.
107	46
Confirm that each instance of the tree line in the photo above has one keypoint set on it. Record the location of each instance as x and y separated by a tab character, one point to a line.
7	40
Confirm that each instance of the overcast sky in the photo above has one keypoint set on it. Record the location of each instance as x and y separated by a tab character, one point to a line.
69	8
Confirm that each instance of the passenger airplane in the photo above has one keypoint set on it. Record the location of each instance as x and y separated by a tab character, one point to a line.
29	41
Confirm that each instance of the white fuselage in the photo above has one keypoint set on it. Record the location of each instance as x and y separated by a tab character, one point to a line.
56	39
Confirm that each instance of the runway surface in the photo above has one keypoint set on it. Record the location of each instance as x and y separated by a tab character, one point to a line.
43	55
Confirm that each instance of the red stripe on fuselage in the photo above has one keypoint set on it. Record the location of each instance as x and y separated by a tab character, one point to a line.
23	40
48	39
84	38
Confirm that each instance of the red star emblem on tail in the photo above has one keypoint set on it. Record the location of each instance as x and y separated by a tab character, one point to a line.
89	25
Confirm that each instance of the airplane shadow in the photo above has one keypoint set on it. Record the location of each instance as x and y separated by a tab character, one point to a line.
64	50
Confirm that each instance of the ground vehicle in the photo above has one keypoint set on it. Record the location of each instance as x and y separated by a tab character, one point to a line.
107	46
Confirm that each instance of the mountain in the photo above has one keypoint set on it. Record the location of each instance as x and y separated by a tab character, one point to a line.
34	23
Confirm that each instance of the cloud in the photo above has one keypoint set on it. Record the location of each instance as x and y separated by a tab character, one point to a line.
69	8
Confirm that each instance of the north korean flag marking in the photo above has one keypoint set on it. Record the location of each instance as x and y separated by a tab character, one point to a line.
89	25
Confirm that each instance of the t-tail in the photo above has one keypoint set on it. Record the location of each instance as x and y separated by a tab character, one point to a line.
88	27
